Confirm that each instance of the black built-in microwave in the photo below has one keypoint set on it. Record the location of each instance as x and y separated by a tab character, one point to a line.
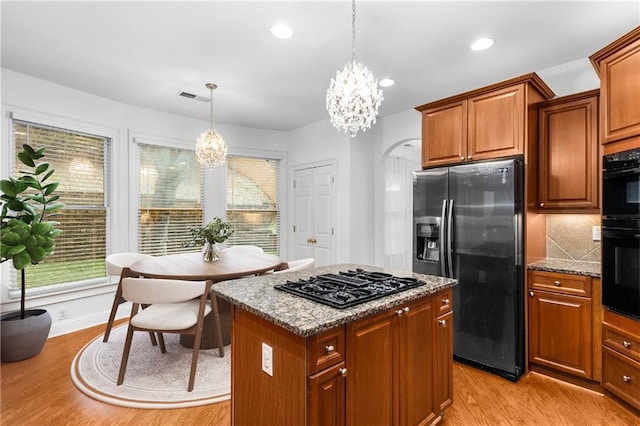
621	232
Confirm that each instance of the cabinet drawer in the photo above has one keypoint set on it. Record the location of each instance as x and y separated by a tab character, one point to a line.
621	341
325	349
621	375
576	285
444	301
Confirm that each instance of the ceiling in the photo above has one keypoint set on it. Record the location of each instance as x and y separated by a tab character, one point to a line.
145	53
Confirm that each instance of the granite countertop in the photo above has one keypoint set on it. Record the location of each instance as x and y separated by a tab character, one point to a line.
564	266
305	317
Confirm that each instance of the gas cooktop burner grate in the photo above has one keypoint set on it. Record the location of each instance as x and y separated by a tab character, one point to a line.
350	288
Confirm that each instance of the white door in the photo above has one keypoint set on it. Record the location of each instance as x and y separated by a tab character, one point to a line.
314	214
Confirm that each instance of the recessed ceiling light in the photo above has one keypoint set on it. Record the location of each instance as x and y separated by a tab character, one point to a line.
282	31
482	44
386	82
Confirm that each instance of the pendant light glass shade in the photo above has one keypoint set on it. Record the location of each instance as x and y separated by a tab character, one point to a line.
211	149
353	96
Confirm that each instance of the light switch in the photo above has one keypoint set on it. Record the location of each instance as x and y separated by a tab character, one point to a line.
267	359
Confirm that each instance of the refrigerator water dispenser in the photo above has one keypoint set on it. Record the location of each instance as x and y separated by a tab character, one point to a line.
428	240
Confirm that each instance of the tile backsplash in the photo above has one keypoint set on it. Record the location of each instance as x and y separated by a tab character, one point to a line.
569	236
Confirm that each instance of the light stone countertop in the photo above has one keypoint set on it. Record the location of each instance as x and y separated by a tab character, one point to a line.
303	316
564	266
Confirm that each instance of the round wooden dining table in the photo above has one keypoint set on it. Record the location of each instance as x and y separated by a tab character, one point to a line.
190	266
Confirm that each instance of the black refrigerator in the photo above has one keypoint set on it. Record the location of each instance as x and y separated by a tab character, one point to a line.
467	225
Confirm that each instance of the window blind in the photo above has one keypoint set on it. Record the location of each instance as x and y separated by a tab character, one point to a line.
252	202
170	192
80	162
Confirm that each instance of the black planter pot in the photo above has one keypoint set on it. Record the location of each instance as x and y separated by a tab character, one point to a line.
23	338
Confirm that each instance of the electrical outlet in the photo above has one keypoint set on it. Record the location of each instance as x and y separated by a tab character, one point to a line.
267	359
595	232
62	314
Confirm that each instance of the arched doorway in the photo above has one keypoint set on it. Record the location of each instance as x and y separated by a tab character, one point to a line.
400	161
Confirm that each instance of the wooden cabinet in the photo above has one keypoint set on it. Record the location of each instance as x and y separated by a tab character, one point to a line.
618	65
391	368
568	152
621	357
561	323
392	373
486	123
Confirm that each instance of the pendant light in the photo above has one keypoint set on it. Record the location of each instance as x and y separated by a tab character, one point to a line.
211	150
353	96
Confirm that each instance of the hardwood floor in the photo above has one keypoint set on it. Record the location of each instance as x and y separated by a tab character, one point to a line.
39	391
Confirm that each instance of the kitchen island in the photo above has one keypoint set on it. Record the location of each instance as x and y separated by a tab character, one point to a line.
294	361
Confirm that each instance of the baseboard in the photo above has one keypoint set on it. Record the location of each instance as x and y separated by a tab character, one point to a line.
568	378
61	327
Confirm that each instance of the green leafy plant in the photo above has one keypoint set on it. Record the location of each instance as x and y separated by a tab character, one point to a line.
26	234
213	232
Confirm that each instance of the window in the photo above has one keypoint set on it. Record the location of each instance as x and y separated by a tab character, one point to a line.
252	202
170	192
80	162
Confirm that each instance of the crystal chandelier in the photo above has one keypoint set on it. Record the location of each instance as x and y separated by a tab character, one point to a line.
211	150
353	96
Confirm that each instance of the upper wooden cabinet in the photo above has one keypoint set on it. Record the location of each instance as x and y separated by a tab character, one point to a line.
486	123
568	152
618	65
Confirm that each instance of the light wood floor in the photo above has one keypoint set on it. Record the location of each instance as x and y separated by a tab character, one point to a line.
39	391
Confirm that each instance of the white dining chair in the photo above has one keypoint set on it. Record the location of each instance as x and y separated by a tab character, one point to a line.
115	264
298	265
247	248
175	306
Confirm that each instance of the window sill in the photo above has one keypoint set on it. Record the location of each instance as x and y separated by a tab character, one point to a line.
62	292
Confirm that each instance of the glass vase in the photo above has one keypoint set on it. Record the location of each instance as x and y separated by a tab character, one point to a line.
210	252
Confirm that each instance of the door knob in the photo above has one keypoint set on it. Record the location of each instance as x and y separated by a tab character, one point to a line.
343	372
626	378
626	344
329	348
557	283
531	294
442	322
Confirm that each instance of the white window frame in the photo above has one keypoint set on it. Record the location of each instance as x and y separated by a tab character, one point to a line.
135	140
65	291
282	189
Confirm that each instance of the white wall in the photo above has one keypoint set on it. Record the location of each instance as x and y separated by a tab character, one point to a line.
359	174
58	104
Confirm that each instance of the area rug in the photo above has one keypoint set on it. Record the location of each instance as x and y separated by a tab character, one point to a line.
153	379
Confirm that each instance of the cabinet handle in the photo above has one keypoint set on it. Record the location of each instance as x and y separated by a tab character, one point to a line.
469	157
541	204
329	348
531	294
627	379
399	312
445	301
462	158
343	372
626	344
405	309
557	283
442	322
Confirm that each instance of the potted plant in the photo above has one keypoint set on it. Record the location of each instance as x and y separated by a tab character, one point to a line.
208	236
26	238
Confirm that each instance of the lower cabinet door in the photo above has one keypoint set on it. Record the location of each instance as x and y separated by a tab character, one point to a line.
560	332
370	371
327	397
443	366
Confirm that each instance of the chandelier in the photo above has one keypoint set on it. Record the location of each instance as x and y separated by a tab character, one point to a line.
211	150
353	96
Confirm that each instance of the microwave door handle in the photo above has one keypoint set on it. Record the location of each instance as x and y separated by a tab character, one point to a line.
621	173
441	238
450	239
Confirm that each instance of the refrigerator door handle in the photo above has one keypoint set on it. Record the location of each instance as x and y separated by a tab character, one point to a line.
441	236
450	239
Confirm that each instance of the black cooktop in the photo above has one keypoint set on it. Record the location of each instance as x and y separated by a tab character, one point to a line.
349	288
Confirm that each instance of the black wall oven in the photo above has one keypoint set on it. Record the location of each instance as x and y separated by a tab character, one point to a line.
621	232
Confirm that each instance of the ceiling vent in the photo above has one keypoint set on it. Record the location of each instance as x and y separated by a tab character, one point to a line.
192	96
